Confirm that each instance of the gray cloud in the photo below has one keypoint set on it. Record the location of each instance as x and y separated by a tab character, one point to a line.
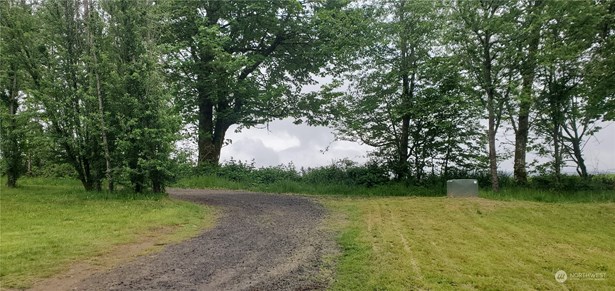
247	149
283	142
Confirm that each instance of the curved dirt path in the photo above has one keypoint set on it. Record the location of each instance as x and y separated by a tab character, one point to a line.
260	242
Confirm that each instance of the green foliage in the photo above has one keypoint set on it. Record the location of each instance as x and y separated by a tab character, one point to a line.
16	25
348	173
240	62
105	86
572	100
571	183
97	94
345	177
412	105
144	125
54	170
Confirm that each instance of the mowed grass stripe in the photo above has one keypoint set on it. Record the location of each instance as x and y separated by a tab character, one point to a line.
441	243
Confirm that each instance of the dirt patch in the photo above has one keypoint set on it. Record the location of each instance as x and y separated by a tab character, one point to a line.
261	242
121	254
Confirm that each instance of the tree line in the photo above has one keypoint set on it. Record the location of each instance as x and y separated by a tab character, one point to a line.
106	86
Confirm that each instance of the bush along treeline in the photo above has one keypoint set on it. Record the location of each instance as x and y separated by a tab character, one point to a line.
346	177
105	88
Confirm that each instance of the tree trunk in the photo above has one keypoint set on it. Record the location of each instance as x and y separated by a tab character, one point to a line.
575	139
29	166
556	93
402	171
157	186
557	156
87	185
208	154
578	157
138	182
12	152
211	134
528	72
521	139
101	110
490	92
493	163
86	177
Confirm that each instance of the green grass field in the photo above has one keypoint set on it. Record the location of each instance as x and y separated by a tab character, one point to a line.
410	243
47	224
388	243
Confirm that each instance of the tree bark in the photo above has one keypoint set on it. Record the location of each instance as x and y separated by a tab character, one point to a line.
402	168
528	72
101	110
157	186
208	154
490	92
575	139
12	152
557	156
578	158
521	140
211	142
211	131
522	132
493	163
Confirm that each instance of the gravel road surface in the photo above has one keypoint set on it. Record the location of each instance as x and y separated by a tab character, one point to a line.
260	242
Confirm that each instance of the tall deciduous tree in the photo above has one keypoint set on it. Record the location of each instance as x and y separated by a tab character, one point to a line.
60	85
93	28
97	79
142	123
527	36
408	102
570	105
483	34
239	62
16	27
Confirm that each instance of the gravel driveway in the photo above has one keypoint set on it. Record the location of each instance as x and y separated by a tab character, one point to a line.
260	242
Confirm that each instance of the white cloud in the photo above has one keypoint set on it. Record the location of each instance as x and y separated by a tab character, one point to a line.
248	149
283	142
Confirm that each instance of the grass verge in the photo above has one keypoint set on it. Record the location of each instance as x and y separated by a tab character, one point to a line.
410	243
289	186
393	189
549	196
47	224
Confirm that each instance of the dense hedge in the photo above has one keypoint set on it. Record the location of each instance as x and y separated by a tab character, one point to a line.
371	174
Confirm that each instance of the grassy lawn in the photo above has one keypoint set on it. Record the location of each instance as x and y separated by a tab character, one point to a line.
45	225
407	243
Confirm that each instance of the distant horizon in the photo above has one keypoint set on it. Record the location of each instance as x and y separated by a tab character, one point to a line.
282	142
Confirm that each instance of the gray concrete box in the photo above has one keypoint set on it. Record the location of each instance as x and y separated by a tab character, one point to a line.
462	188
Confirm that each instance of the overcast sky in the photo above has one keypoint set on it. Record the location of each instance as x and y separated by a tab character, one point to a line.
283	142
